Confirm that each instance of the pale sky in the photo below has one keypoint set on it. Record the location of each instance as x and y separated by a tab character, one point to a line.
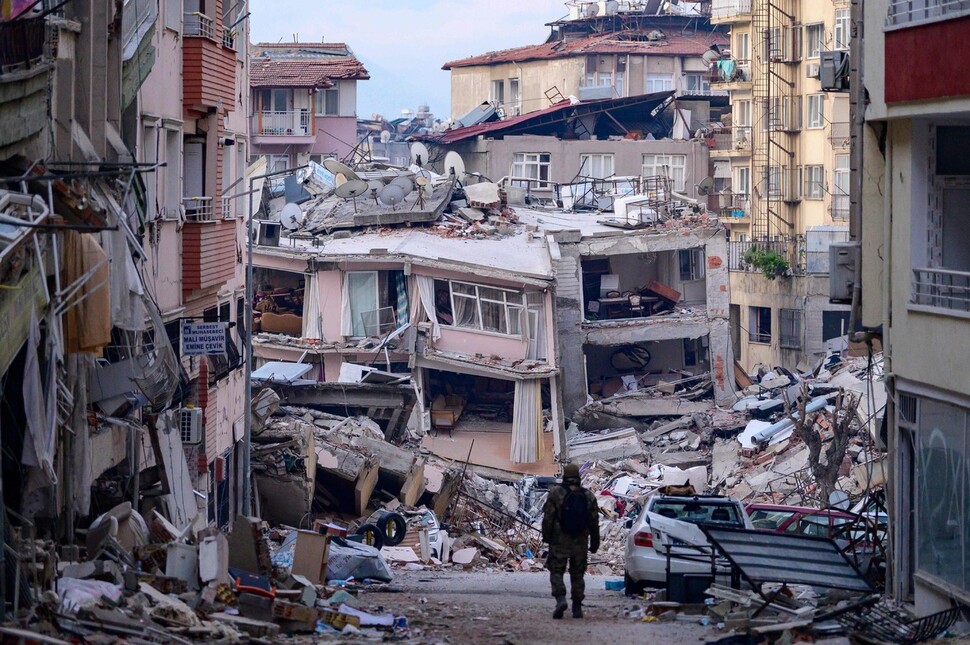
403	44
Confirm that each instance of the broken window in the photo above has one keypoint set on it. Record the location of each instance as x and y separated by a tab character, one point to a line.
759	324
790	321
498	92
597	166
378	302
671	166
695	351
530	166
474	306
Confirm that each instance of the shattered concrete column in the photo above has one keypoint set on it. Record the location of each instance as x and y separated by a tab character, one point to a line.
718	314
569	319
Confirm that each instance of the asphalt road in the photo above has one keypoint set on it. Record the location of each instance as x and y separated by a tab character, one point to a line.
500	607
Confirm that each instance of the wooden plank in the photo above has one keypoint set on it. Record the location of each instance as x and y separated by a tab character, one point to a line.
413	484
365	485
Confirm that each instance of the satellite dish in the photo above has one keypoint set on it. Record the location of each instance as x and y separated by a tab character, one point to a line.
404	182
454	164
838	499
419	154
592	10
374	186
291	216
337	168
352	189
711	56
339	179
392	195
706	186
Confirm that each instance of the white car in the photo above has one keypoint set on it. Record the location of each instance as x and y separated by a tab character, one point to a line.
672	523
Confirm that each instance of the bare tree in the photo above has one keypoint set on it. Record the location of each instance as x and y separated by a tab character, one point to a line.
839	421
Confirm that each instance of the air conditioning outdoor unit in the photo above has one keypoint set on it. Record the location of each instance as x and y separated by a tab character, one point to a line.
190	425
843	257
811	70
834	71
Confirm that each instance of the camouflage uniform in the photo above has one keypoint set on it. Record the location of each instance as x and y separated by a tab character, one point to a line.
568	549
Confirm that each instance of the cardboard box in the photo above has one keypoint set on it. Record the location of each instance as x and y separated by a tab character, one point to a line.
310	556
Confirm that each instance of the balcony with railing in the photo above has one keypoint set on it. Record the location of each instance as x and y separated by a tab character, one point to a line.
730	71
208	65
25	64
208	243
903	13
839	207
941	289
839	134
791	250
734	209
729	10
291	126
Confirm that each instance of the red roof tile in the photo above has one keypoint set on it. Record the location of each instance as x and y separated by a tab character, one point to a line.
303	65
693	43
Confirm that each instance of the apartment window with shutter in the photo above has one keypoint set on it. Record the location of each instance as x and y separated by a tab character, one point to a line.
759	324
790	334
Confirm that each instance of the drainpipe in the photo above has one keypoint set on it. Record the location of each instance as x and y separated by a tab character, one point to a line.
892	578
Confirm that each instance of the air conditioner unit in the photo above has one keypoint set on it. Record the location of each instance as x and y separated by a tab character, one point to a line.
811	70
843	257
268	234
834	71
190	425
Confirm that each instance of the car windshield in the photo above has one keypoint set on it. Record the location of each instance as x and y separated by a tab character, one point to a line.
769	520
698	512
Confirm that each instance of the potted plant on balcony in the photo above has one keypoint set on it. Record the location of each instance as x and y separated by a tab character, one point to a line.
771	263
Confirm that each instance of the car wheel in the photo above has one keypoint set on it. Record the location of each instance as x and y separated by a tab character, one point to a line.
394	527
372	536
633	587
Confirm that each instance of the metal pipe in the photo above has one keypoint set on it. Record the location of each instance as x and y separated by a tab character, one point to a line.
765	435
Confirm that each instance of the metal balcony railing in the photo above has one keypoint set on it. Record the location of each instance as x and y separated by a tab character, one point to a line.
839	134
942	289
228	39
730	70
198	209
904	12
736	206
22	41
227	212
729	8
287	123
839	207
198	24
790	248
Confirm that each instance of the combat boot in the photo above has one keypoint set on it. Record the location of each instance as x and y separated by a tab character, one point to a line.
577	610
560	607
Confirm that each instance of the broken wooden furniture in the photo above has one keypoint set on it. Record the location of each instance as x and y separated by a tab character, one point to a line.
445	412
284	323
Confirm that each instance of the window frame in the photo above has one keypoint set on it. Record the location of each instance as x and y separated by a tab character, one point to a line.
790	328
523	161
666	79
756	315
816	111
322	100
819	28
590	170
664	160
497	91
691	264
814	182
842	31
508	306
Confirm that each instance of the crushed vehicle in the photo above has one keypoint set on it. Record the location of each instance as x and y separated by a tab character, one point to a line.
668	529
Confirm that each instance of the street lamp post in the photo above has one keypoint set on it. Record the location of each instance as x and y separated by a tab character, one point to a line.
247	507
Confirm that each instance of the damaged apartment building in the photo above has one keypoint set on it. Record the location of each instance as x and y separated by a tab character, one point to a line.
116	253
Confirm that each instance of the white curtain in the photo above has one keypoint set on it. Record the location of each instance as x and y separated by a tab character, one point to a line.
426	294
527	442
312	317
537	335
346	319
38	450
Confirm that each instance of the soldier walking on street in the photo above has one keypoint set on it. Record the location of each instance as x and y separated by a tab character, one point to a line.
570	524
